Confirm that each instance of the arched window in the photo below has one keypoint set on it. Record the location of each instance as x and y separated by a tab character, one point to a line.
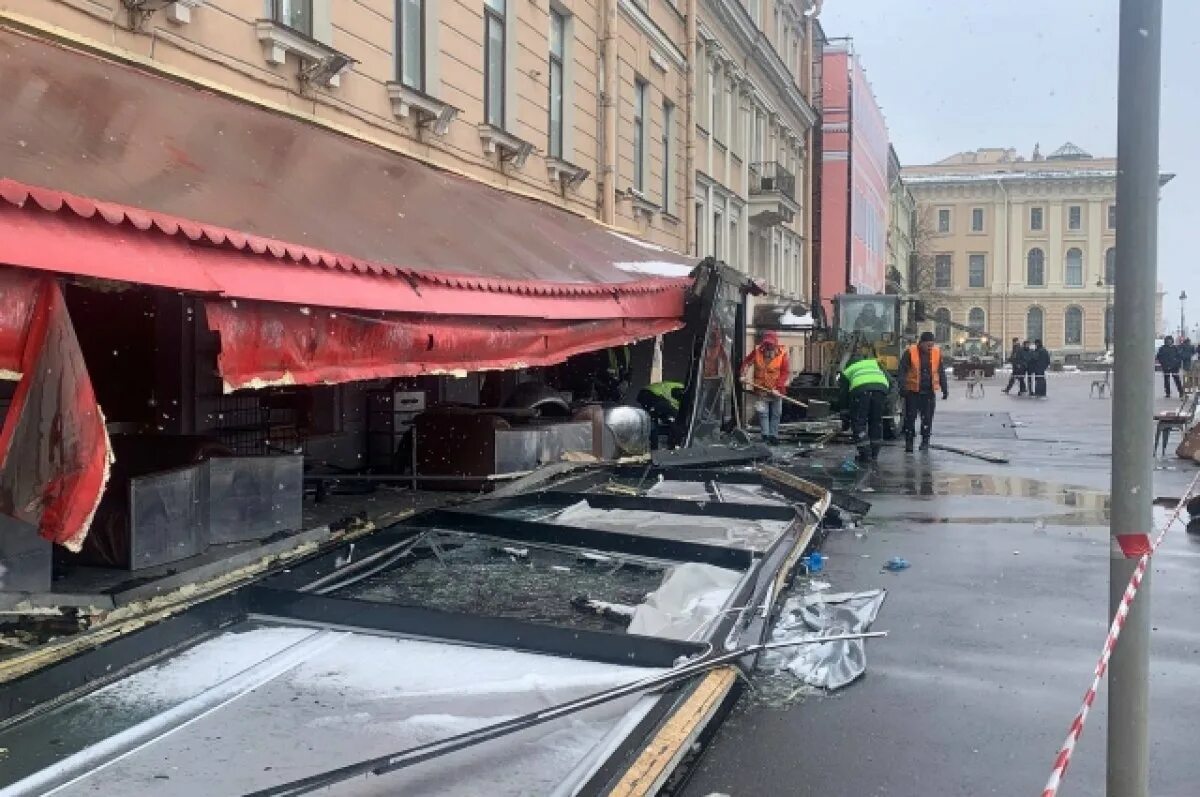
941	325
1108	327
1035	271
976	320
1073	273
1073	326
1110	265
1033	324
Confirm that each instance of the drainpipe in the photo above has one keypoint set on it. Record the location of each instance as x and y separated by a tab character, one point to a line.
1007	264
608	50
689	136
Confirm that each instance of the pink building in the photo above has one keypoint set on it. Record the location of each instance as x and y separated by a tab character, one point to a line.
854	189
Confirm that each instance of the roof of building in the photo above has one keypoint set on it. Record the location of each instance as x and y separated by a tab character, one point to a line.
1068	162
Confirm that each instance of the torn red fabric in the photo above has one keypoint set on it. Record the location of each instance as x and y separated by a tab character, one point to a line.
18	295
54	449
277	344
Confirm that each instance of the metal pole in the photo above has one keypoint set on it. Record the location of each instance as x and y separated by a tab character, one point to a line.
1139	67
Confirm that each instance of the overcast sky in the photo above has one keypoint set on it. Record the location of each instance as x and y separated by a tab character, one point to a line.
955	75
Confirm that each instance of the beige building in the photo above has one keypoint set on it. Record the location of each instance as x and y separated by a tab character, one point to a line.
902	220
513	93
1020	247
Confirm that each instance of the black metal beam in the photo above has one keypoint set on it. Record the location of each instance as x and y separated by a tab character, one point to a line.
604	541
709	456
92	668
674	506
601	646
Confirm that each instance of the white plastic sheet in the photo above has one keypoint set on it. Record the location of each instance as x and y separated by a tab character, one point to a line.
691	597
830	665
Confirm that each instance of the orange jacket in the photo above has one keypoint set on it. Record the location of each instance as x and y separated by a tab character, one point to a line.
770	375
912	375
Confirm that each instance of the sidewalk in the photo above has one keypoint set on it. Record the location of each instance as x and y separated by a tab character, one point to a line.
995	628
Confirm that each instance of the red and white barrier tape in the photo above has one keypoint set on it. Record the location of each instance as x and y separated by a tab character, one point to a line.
1131	545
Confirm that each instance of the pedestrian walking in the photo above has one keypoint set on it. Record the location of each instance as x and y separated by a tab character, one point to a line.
770	376
922	375
1039	364
1186	352
1170	361
1018	360
864	387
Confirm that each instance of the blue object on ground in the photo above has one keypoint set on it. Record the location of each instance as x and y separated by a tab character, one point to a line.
896	564
814	562
850	466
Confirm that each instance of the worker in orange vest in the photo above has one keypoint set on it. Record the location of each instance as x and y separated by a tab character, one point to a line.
770	377
922	375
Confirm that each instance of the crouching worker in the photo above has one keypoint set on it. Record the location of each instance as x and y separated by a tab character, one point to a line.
661	400
864	387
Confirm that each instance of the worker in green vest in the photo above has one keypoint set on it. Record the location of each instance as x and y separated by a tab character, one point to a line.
662	400
864	386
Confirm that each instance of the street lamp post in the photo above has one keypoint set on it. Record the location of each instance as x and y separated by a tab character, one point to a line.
1182	322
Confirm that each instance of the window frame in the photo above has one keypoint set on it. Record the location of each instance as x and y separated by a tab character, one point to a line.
971	261
640	88
977	213
940	259
1074	218
1068	266
668	184
491	14
944	229
1112	216
982	326
1040	226
1029	283
1041	334
942	318
280	15
1071	311
1110	266
402	49
556	60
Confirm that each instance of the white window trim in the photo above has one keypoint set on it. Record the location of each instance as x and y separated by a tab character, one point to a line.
180	12
500	142
278	40
426	112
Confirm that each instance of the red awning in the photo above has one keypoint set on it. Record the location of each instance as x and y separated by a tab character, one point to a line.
54	450
271	344
114	173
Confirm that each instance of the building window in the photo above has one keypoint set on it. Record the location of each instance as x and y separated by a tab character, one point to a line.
1073	273
1073	326
735	243
495	40
668	121
976	320
410	43
1035	268
1112	217
717	227
976	219
943	271
1033	323
702	90
941	325
1110	266
976	271
1036	219
943	220
1108	327
558	44
720	116
639	134
296	14
1075	217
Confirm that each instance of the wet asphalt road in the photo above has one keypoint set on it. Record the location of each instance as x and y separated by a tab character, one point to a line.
995	628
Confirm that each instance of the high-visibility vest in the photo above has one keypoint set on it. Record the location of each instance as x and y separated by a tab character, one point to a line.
766	374
865	372
666	390
913	383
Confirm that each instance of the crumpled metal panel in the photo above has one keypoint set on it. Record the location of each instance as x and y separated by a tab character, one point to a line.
54	449
274	344
156	156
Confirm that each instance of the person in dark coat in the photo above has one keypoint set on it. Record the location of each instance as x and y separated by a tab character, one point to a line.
922	376
1170	361
1186	352
1039	363
1019	361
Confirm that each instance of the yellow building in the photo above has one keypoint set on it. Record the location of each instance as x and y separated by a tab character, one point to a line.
513	93
1019	247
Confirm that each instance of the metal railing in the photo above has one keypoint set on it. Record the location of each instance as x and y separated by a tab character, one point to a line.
770	177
